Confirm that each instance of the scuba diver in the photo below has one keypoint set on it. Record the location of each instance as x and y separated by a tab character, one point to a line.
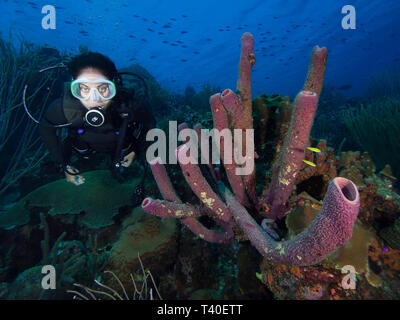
102	117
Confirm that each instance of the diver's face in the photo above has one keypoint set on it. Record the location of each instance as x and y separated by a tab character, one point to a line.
85	88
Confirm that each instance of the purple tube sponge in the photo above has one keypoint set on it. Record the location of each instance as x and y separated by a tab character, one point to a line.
333	226
331	229
316	70
289	164
172	207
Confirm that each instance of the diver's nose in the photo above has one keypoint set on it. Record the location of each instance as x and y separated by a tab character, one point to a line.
94	96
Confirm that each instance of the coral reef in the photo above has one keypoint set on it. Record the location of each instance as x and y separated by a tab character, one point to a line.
234	111
317	275
70	259
142	234
374	260
288	230
392	234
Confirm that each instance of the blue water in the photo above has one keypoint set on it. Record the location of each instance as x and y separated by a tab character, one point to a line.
192	42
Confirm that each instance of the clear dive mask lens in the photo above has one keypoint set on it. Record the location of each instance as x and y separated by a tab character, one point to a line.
98	90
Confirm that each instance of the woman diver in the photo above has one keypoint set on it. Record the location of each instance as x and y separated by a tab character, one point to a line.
103	117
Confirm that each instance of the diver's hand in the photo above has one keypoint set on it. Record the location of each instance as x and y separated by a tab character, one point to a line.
75	179
128	159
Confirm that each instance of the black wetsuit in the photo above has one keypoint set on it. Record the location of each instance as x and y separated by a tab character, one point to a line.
104	139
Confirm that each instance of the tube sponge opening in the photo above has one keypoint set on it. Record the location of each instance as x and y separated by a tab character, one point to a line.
347	188
146	202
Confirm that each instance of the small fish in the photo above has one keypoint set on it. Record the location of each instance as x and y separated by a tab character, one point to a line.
165	26
312	164
313	149
316	206
184	31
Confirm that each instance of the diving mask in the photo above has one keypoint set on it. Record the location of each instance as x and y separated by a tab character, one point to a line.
101	89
